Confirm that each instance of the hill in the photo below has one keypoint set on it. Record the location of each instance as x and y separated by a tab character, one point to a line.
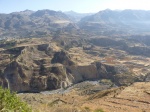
109	22
29	23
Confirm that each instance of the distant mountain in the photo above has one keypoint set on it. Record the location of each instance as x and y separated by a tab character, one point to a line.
110	21
48	23
77	16
30	23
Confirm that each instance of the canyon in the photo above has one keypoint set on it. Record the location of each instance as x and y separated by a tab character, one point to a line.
77	62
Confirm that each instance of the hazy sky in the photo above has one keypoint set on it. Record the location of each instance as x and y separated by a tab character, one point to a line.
7	6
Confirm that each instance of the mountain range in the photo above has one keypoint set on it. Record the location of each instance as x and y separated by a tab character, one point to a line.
111	21
45	22
30	23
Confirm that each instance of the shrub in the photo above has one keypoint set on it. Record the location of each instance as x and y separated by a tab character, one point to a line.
10	102
98	110
87	109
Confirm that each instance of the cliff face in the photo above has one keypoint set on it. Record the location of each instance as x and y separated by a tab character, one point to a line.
42	67
29	69
61	76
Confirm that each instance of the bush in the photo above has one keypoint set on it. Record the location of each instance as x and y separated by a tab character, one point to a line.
87	109
98	110
10	102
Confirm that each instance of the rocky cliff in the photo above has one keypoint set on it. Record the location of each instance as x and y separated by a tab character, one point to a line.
38	67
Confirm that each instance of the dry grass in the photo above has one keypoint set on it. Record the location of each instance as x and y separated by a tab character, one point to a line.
134	98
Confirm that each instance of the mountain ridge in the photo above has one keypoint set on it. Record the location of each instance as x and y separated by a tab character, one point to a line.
47	22
124	20
30	23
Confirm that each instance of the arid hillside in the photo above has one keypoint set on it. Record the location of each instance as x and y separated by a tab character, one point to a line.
90	97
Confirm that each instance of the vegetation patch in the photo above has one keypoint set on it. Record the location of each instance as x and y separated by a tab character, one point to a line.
10	102
98	110
87	109
9	44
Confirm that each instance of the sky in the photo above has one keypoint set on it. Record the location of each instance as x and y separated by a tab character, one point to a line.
81	6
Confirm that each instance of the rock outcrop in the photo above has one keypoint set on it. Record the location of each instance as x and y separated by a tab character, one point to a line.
16	78
60	76
63	58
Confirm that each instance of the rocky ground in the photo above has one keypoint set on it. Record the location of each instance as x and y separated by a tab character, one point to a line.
89	98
